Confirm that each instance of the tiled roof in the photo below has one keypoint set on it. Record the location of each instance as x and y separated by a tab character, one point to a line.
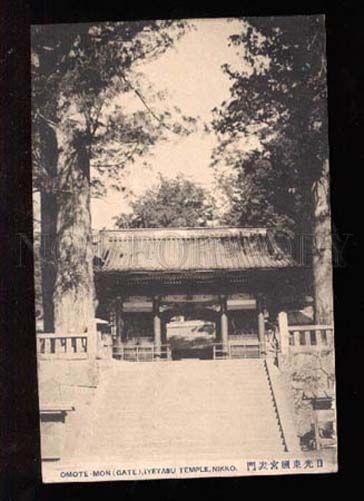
189	249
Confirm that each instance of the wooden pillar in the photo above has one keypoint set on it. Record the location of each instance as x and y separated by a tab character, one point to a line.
261	330
164	331
224	324
157	326
119	321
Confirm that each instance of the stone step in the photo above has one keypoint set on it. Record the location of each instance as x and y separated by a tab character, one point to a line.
187	408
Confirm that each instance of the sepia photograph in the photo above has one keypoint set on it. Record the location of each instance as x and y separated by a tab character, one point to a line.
183	248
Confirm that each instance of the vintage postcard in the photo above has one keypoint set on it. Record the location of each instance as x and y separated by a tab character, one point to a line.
183	262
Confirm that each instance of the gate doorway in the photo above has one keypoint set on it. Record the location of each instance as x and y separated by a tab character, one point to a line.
191	333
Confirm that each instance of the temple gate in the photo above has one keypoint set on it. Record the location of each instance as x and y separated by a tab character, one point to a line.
226	284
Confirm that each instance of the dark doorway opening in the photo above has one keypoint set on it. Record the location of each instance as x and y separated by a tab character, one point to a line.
191	332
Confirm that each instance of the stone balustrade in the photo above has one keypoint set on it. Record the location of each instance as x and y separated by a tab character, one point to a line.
51	346
309	337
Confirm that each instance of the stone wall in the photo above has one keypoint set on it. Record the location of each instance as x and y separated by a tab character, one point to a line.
308	374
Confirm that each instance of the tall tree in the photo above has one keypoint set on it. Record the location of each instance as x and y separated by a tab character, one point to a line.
171	203
78	70
280	99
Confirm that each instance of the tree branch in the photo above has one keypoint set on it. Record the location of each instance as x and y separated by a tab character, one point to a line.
142	99
48	121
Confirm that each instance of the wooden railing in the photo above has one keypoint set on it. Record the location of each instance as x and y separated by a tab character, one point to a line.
50	346
309	337
142	353
231	351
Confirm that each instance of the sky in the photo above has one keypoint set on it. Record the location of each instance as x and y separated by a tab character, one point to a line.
191	75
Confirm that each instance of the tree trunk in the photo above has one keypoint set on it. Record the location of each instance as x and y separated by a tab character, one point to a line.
322	249
48	225
74	294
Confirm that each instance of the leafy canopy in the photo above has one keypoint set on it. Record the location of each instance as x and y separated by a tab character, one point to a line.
280	101
81	69
171	203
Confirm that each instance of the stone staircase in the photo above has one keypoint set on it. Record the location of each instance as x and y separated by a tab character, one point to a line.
181	410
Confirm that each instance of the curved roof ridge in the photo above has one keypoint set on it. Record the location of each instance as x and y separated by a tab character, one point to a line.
190	249
222	227
187	232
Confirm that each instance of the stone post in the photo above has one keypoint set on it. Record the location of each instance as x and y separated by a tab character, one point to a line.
283	332
92	344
